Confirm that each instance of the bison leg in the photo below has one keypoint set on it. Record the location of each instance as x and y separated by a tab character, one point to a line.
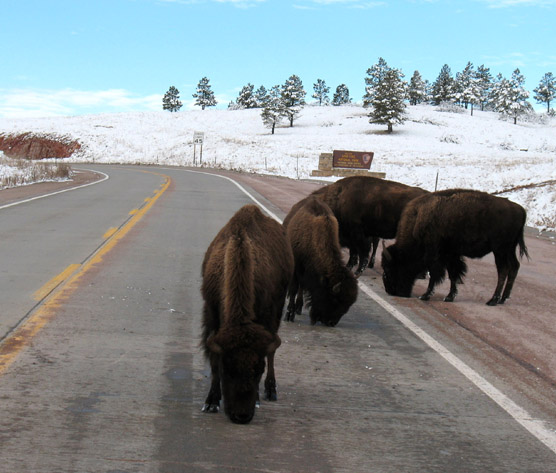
292	293
299	301
364	248
456	270
502	268
436	276
512	274
374	246
212	402
270	380
353	258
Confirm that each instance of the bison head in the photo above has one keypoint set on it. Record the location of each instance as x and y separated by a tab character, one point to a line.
333	299
398	273
242	349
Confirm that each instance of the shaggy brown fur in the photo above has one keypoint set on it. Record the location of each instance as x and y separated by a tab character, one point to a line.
367	208
437	230
246	272
312	231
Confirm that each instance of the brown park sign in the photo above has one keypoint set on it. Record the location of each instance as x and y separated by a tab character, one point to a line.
352	159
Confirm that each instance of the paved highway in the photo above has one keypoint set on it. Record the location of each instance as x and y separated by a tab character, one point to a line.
100	368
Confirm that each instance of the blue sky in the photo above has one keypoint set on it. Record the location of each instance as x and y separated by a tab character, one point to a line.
73	57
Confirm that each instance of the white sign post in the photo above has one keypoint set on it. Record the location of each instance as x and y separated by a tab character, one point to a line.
198	138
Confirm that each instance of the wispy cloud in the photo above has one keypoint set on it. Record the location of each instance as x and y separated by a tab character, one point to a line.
45	103
518	3
235	3
350	3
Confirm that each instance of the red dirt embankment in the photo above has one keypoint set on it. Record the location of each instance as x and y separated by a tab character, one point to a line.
32	146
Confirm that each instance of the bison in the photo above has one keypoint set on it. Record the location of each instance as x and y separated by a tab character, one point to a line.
366	208
246	272
437	230
312	231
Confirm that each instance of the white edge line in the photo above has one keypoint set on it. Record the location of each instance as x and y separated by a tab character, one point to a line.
252	197
535	427
106	176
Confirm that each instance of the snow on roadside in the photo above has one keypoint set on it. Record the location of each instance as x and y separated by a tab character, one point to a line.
479	152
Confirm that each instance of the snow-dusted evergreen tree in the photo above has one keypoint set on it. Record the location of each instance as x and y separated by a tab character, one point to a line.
204	95
443	87
293	97
484	79
341	96
468	91
417	89
246	97
171	100
321	92
273	109
261	95
546	91
375	74
388	103
509	96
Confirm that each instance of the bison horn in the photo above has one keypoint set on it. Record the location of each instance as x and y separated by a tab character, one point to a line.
336	288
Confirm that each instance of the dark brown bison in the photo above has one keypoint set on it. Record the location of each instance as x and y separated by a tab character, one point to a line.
312	231
437	230
367	208
246	272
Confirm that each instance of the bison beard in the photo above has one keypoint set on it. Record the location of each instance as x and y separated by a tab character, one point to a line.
246	271
312	231
437	230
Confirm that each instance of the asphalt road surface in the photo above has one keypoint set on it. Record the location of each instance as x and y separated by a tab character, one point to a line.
101	371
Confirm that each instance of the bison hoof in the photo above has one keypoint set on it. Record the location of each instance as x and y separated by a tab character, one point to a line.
425	297
449	298
494	301
211	408
271	396
290	316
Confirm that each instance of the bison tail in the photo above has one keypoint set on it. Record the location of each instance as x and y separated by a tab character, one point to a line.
522	247
239	279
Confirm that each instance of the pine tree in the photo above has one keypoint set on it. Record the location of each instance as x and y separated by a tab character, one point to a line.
171	101
261	96
321	92
484	79
204	95
467	87
341	96
389	100
375	74
417	89
443	87
509	96
293	97
546	91
246	98
273	109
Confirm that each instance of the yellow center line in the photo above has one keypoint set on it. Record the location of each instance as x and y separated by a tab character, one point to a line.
65	287
55	281
110	232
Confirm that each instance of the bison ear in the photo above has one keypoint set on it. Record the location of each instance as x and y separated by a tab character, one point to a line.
213	345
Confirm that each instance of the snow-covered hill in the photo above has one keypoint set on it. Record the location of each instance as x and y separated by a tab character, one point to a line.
479	152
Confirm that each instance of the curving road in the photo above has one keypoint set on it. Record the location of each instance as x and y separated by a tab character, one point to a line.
100	368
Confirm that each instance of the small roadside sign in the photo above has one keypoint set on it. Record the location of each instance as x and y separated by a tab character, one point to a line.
198	137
